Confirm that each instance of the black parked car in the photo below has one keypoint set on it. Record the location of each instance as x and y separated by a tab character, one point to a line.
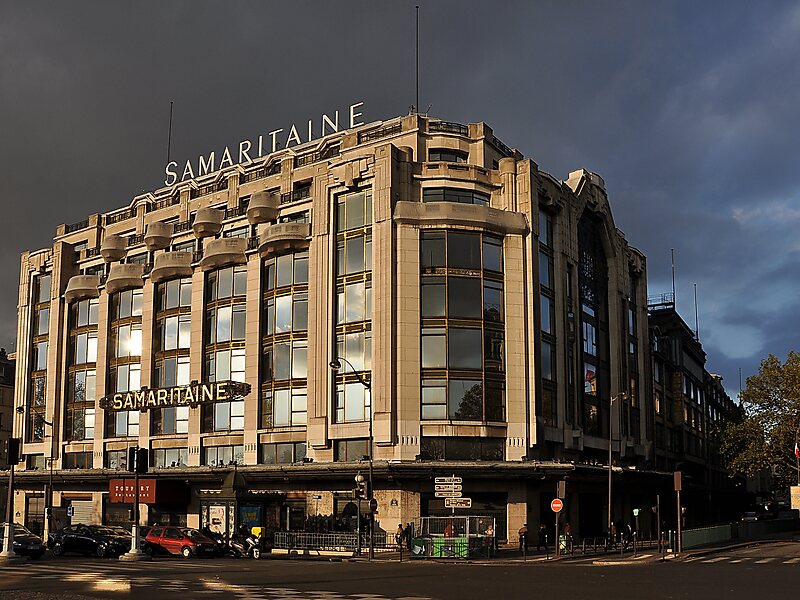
89	539
25	543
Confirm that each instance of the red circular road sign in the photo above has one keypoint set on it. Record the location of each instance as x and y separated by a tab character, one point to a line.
556	505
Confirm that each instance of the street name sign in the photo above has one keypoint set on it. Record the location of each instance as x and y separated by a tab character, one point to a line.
447	487
448	480
458	502
447	494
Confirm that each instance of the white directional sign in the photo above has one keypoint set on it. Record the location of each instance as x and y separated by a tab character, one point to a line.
448	480
447	487
448	494
458	502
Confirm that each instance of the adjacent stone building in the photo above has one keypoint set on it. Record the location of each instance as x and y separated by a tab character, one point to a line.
690	409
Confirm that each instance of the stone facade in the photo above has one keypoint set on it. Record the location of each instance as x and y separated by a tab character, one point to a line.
555	315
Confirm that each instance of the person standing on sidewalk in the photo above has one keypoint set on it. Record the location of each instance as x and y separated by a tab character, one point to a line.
542	541
523	538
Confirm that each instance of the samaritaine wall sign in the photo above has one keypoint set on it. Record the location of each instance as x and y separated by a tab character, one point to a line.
182	395
250	150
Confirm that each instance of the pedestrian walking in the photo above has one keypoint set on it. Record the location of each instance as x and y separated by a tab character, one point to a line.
409	536
399	536
523	538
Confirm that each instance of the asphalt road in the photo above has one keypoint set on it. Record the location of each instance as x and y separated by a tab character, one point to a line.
767	571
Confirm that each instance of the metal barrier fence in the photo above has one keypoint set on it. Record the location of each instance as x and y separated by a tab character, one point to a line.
454	537
703	536
342	541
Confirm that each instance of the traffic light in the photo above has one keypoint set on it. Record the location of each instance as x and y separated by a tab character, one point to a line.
13	448
360	490
137	460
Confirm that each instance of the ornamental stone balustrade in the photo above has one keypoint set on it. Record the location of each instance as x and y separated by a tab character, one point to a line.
123	277
207	222
158	235
263	208
280	238
223	252
113	248
171	265
80	287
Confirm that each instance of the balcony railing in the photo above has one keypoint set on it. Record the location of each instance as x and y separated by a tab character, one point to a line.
133	240
76	226
448	127
182	226
120	216
377	134
209	189
197	255
252	243
92	252
312	157
661	301
296	195
272	169
166	202
504	150
236	211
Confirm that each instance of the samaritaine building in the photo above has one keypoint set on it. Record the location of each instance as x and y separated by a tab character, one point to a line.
483	312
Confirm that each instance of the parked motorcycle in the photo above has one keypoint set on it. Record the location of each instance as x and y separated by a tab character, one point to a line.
246	546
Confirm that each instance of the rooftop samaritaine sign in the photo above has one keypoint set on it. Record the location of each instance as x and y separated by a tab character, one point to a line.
182	395
250	150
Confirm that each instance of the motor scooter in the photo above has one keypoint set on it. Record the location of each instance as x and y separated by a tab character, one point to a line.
247	547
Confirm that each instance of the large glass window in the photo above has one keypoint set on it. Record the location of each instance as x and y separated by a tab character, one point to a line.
447	155
79	417
226	291
40	299
284	345
350	450
220	456
462	326
172	337
283	453
459	195
125	348
353	303
165	458
461	448
593	289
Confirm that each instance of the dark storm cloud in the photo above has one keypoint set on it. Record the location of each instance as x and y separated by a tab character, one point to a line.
687	109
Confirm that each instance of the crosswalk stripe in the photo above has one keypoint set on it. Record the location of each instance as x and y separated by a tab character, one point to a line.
714	560
740	560
792	561
764	561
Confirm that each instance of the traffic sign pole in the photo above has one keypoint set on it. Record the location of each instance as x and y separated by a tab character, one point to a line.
556	505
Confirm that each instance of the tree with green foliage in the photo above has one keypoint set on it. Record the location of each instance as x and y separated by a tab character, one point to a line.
765	437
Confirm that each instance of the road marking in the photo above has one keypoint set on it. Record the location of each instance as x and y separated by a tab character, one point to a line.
764	561
740	560
642	556
791	561
714	560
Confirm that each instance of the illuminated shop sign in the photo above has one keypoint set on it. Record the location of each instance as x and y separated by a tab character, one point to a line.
250	150
182	395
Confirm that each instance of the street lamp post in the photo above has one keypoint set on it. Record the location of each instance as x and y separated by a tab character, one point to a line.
48	502
336	365
610	410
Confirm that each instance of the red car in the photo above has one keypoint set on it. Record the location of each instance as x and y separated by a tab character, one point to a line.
181	540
